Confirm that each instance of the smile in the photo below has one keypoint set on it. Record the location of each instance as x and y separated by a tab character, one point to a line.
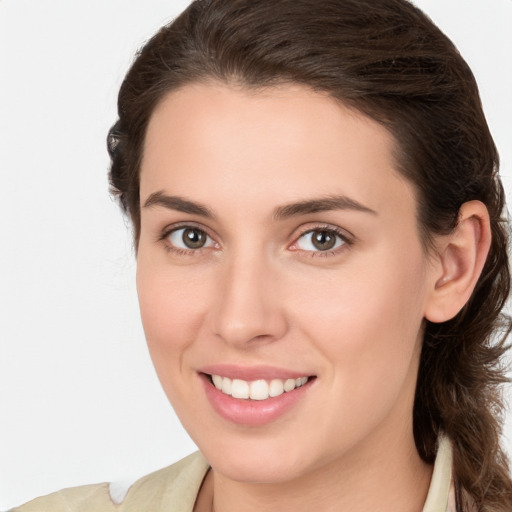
257	389
255	395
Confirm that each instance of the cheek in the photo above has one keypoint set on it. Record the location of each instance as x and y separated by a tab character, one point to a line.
370	337
171	310
171	319
384	296
368	318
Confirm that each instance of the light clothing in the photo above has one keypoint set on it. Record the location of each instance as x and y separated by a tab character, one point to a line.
441	495
175	488
172	489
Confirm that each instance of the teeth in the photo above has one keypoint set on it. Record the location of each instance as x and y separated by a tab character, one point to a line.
276	387
227	385
217	381
300	381
257	389
289	385
240	389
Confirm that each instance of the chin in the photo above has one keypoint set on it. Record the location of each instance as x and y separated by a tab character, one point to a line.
257	470
269	461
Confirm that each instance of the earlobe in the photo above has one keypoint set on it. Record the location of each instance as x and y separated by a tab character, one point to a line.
461	258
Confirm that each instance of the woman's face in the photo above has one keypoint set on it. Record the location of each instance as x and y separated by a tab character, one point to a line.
278	242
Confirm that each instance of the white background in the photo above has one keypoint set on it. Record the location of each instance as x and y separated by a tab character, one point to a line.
79	402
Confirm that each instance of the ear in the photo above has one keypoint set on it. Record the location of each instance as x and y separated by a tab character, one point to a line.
459	262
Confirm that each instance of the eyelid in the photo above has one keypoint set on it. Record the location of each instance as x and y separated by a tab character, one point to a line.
165	231
344	235
164	234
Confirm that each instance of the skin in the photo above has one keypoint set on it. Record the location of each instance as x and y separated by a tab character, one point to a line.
258	293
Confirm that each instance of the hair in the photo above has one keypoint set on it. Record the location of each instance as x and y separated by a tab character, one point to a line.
386	59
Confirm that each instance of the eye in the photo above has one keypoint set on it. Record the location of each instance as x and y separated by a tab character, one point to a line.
189	238
320	240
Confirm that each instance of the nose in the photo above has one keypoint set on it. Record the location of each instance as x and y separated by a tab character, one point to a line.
248	310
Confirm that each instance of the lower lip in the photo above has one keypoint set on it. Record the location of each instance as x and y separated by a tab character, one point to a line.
252	412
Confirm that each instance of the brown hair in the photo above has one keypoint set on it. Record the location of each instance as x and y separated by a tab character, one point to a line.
388	60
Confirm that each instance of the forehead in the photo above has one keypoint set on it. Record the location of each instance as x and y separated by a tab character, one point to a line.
278	143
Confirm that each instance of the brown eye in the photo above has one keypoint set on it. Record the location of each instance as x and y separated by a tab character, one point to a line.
189	238
320	240
194	238
323	240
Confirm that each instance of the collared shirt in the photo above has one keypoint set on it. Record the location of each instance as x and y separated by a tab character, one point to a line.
441	495
175	489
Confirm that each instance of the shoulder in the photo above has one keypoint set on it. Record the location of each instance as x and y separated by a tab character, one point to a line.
86	497
173	488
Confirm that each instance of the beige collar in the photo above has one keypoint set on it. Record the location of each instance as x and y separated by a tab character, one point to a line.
440	497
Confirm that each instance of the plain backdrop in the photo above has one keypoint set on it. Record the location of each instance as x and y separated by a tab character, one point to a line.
79	401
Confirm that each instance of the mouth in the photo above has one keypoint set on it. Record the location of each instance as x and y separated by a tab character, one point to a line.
257	395
258	390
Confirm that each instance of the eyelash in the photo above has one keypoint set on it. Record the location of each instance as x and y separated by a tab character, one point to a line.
342	235
346	240
164	238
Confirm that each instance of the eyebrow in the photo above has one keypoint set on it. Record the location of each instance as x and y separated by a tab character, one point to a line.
321	204
177	203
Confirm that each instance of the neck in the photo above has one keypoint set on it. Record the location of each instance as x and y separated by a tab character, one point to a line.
389	477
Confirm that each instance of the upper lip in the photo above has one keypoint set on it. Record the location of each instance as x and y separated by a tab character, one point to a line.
251	373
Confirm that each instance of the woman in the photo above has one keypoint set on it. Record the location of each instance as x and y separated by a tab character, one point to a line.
321	260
